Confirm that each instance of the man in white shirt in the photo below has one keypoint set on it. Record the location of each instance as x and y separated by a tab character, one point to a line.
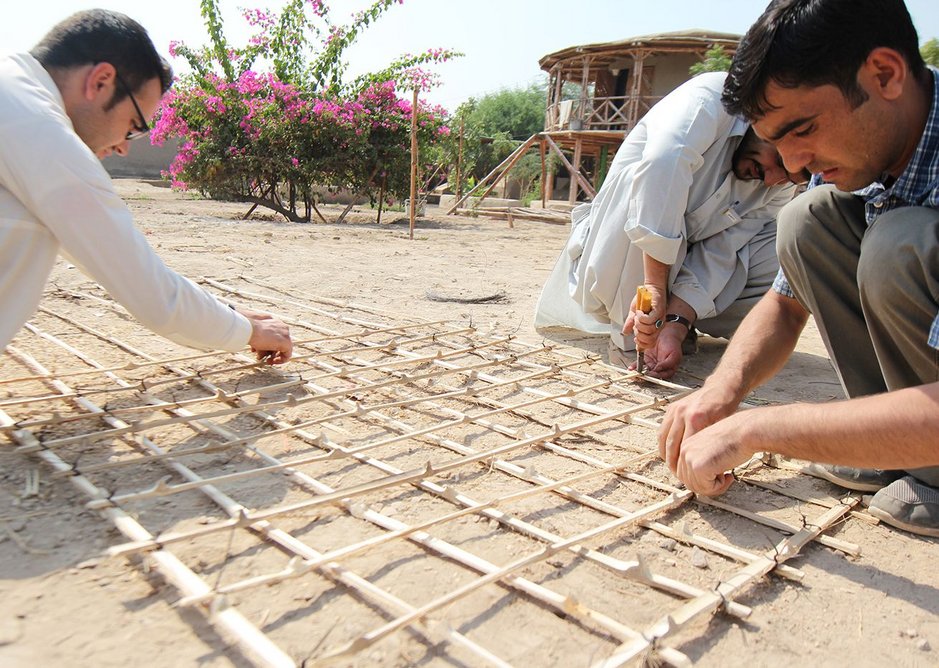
86	90
688	209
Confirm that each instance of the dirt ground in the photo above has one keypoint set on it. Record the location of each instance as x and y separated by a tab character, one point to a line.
65	603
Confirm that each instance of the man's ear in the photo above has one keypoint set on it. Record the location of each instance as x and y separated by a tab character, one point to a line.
886	73
99	79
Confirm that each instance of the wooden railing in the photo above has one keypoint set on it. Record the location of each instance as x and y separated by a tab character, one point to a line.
598	113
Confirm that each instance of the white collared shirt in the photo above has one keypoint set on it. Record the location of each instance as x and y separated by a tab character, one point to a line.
55	197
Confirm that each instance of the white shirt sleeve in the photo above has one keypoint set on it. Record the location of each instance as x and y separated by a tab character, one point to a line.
59	181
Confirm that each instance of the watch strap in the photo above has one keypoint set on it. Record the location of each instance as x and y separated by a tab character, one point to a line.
673	317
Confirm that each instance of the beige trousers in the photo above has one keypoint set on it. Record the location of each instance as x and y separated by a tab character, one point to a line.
874	290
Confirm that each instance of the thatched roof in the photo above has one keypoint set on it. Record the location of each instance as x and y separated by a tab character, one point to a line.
686	40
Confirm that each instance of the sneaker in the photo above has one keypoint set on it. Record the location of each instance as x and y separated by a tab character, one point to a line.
908	504
861	480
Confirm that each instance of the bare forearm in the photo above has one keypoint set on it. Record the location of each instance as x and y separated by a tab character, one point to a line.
894	430
761	345
655	273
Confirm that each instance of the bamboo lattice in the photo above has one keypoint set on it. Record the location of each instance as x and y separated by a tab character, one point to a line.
399	490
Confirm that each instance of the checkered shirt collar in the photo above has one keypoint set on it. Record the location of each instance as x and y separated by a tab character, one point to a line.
920	179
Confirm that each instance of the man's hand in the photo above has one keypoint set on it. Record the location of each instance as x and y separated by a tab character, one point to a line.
685	418
705	459
663	358
270	338
643	324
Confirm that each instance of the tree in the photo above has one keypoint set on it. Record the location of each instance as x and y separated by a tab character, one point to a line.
494	125
715	60
930	51
270	137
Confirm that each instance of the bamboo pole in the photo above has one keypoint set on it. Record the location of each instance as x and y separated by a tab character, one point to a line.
578	153
459	162
413	207
381	197
544	175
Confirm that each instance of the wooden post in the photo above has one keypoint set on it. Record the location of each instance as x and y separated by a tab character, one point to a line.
459	164
544	176
578	151
413	207
381	198
638	63
549	186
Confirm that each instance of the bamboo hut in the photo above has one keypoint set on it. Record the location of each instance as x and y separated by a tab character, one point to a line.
596	94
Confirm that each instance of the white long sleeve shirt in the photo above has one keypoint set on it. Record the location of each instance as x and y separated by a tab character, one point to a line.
55	197
671	193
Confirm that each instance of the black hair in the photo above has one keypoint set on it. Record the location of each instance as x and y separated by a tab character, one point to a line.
102	36
814	43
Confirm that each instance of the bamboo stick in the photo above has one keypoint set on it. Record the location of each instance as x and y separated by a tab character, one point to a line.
413	207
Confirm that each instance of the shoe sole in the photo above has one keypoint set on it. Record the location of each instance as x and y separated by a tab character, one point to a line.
887	518
817	471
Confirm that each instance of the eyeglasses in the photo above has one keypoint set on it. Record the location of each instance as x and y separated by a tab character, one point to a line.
144	127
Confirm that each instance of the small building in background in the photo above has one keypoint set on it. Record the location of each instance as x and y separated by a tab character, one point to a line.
143	160
610	86
596	94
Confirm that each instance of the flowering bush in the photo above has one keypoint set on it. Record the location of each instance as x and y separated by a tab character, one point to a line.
270	138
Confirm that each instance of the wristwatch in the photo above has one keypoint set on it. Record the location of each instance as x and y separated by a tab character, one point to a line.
673	317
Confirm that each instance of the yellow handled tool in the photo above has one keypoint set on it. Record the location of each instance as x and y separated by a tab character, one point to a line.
644	304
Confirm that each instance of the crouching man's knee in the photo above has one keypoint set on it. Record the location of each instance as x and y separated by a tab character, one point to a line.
897	259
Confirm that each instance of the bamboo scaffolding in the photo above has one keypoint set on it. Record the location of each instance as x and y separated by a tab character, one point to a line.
399	389
229	622
848	548
606	507
246	634
583	612
840	545
634	569
538	592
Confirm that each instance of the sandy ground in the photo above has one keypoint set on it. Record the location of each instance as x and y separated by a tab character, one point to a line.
63	603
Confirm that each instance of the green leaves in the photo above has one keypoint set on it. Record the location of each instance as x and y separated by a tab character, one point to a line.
715	60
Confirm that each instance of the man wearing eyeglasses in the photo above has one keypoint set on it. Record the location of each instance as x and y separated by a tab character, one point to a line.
86	90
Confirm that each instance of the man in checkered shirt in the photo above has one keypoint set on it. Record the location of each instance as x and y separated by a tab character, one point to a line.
839	87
